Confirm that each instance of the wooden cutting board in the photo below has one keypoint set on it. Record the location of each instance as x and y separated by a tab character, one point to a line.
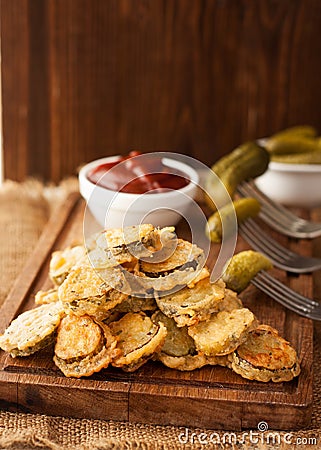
211	397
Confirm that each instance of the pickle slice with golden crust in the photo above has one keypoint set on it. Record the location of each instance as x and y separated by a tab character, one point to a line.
177	341
32	330
124	245
136	304
178	351
62	262
202	275
183	267
230	301
138	339
85	292
183	363
223	332
265	356
118	237
83	346
189	306
184	253
44	297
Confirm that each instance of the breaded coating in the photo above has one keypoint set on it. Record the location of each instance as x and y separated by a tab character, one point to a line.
127	245
85	292
183	267
32	330
223	332
265	356
83	346
62	262
184	253
138	339
44	297
189	306
230	301
178	351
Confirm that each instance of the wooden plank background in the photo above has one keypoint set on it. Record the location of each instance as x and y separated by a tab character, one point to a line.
82	79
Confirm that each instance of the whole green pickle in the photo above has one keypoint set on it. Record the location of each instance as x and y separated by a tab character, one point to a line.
244	209
243	267
299	158
291	144
298	130
247	161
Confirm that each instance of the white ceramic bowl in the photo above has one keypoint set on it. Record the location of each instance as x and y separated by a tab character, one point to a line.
117	209
292	184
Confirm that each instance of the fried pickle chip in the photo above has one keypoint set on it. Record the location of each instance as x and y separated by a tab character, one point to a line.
183	363
138	339
102	259
44	297
77	337
183	267
112	316
202	275
83	346
62	262
265	356
119	237
223	332
230	301
128	244
136	304
177	342
32	330
192	362
178	351
184	253
85	292
189	306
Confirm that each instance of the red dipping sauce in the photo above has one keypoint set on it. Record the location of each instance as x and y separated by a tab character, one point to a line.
135	177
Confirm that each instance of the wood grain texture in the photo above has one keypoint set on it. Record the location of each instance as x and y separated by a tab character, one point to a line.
211	397
83	79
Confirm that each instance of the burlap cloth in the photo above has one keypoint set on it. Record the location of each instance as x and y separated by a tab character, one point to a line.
24	211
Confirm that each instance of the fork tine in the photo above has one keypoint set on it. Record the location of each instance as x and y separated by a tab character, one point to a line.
314	313
286	296
261	242
278	209
283	210
264	276
256	244
268	208
266	240
281	257
279	298
279	217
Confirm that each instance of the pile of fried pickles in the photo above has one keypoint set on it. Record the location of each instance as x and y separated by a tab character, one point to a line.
138	294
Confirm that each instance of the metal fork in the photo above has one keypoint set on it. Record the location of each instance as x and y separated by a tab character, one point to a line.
279	217
286	296
280	256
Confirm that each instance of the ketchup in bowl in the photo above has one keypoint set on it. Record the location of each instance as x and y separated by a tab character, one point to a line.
136	177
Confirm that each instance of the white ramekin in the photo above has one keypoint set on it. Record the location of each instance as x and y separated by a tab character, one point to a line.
114	210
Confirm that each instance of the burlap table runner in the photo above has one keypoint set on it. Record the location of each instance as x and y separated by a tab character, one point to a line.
24	211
